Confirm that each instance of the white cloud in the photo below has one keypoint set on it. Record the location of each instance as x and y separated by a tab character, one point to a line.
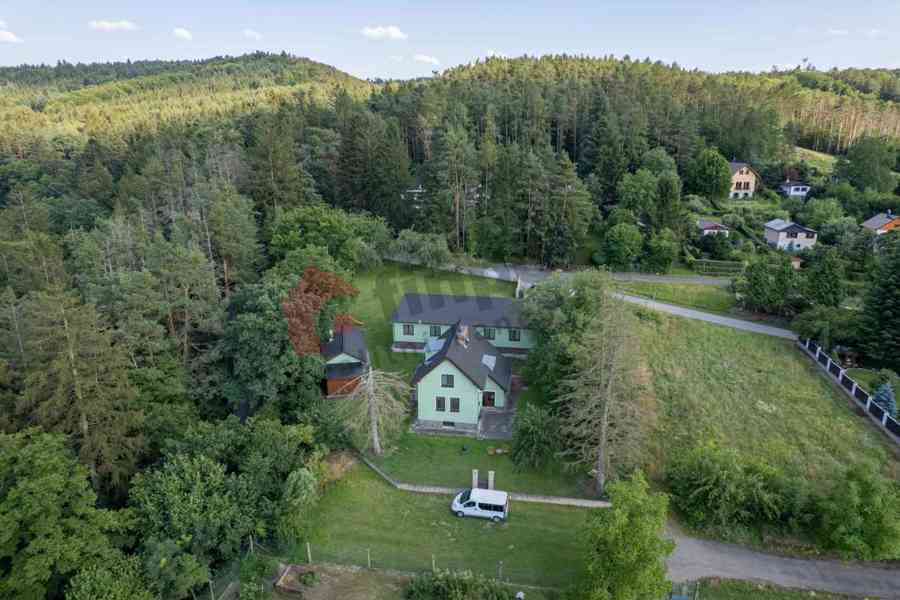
2	24
838	32
424	58
182	34
382	32
396	58
8	37
252	34
873	33
113	25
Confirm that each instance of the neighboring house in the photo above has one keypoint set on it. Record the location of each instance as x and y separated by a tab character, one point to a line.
789	236
346	359
744	180
712	228
883	223
794	189
423	317
461	375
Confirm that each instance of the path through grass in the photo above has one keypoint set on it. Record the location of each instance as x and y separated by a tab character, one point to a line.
538	545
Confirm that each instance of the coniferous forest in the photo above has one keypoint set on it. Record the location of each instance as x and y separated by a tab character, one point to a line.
155	215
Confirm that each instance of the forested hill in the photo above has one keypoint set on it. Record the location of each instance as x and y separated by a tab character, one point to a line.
825	111
46	109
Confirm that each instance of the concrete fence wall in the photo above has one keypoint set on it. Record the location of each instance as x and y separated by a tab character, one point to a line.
862	398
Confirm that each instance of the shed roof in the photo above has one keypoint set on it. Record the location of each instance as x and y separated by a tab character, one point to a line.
704	224
442	309
346	340
478	359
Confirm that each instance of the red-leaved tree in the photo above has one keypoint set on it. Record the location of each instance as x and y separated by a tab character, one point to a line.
302	306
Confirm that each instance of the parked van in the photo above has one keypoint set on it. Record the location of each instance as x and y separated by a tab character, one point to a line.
487	504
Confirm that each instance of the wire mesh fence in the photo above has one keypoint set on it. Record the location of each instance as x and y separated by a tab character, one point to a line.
507	570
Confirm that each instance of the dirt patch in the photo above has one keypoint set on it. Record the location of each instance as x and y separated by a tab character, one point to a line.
350	583
338	463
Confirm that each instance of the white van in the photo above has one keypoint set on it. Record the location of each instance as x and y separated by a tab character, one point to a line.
487	504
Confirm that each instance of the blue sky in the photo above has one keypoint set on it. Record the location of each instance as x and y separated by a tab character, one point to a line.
405	39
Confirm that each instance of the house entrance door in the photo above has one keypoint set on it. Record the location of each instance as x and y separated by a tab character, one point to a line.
487	399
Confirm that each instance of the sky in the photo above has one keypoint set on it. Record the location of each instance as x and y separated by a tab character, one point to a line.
394	39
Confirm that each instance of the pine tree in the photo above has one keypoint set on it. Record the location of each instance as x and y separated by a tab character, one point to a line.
233	229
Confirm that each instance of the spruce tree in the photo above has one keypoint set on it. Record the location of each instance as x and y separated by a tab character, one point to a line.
881	309
884	397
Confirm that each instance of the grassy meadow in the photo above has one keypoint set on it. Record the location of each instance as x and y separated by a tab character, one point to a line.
402	531
710	298
755	393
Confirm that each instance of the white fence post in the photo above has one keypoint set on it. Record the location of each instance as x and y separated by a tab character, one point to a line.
474	479
868	403
490	480
884	419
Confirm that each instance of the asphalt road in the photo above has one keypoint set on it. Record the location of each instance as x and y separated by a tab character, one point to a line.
695	559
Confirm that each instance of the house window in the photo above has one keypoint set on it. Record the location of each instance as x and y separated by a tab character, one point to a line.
447	381
488	333
435	331
440	404
454	405
792	234
409	329
515	335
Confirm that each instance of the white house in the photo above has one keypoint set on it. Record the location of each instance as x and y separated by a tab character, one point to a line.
712	228
789	236
794	189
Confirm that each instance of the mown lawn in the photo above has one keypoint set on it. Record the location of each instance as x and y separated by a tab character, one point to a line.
745	590
538	545
821	161
381	289
440	460
702	297
755	393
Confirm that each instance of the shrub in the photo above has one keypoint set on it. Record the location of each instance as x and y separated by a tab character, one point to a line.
859	518
535	437
429	248
715	488
449	585
884	397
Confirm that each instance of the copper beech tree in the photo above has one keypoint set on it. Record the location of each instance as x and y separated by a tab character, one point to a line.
304	303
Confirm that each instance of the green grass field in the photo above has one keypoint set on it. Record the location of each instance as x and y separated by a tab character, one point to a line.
381	289
702	297
821	161
755	393
439	460
402	531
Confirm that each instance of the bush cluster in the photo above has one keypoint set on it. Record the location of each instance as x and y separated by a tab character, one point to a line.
535	437
450	585
718	490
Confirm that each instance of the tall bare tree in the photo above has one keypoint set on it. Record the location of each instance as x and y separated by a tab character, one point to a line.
375	408
599	406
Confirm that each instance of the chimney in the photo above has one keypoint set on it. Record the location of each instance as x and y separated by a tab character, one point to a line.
462	335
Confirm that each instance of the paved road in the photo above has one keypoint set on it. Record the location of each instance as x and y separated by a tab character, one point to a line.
698	315
694	559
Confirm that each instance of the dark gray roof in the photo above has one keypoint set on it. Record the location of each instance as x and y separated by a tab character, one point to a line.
441	309
879	221
349	341
474	359
344	370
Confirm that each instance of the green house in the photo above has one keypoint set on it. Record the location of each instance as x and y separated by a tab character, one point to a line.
420	318
462	374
